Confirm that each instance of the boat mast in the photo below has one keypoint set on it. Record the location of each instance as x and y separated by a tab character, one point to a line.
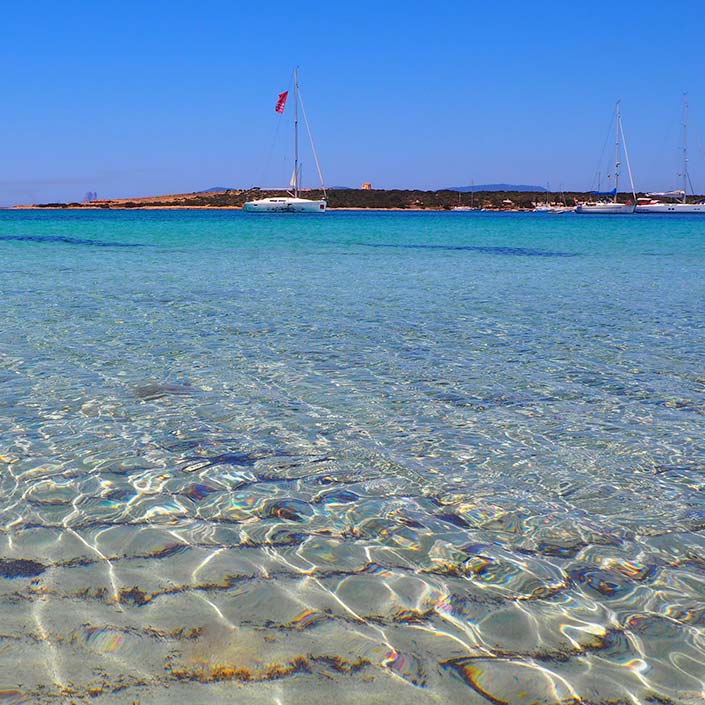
685	146
616	150
626	158
296	134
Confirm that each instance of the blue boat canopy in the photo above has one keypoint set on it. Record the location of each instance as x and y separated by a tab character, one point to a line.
613	192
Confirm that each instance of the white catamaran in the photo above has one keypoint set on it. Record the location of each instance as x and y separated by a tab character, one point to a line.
292	203
674	201
613	206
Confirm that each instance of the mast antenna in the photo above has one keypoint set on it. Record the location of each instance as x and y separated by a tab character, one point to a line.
616	150
685	146
296	133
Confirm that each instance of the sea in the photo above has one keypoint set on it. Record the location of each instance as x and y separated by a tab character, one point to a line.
359	457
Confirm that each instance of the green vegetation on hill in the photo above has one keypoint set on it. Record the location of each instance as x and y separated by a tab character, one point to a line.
354	198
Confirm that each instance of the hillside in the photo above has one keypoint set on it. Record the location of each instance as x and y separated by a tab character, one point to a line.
343	198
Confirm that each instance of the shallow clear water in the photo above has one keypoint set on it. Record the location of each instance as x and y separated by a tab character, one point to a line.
363	457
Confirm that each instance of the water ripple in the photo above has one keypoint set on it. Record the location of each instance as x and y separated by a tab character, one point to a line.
245	460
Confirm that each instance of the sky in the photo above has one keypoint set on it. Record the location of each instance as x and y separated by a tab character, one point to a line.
142	98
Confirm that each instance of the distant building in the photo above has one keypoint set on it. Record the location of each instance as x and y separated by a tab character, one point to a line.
90	196
367	186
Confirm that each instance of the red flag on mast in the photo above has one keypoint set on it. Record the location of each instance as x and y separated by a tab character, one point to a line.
281	102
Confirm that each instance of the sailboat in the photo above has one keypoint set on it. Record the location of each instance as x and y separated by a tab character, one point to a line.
612	206
292	203
551	207
471	207
674	201
544	207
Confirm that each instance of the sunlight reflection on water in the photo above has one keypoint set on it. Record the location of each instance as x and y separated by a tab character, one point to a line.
276	456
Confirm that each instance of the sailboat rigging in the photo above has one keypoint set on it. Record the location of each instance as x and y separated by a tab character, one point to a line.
293	202
471	207
613	206
676	201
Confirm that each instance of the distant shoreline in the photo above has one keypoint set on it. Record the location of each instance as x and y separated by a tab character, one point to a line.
338	199
343	200
239	208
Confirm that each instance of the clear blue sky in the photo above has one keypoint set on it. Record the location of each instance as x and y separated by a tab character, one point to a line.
138	98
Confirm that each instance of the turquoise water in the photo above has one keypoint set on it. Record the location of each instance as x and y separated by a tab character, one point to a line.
362	458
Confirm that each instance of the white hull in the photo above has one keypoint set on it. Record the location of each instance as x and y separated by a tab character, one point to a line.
553	209
671	208
285	205
604	208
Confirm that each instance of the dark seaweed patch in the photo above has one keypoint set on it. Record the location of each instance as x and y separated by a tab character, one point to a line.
153	391
240	458
67	240
20	568
485	249
135	596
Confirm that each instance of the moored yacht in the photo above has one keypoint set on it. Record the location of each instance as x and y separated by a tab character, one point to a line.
285	204
552	208
292	202
605	207
674	201
611	206
655	203
463	207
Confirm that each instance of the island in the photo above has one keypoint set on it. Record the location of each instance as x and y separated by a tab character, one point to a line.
344	199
